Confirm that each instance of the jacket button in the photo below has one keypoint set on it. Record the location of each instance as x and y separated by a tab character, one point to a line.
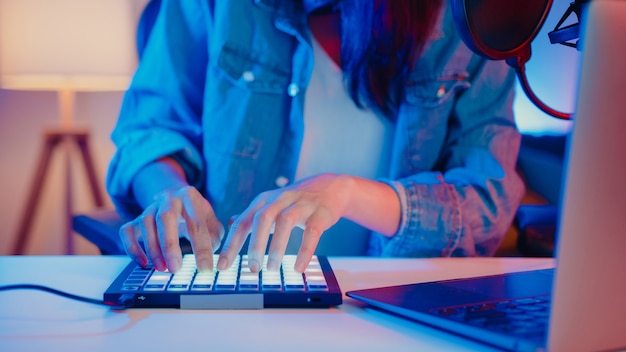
293	90
282	181
248	76
441	91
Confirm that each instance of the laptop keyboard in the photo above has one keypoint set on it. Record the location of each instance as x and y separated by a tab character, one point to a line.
525	317
237	278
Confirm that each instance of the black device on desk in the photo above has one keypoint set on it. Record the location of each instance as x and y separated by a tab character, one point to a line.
235	288
508	311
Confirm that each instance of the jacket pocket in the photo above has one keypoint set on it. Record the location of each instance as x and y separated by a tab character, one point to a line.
247	102
431	90
253	71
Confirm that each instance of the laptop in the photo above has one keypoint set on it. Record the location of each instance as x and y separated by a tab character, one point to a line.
580	305
235	288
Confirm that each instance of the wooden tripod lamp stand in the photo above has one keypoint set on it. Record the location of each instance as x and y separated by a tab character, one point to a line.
65	46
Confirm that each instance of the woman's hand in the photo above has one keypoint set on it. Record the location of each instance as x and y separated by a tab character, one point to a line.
315	204
158	226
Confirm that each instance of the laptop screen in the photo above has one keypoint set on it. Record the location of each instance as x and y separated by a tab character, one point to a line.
592	244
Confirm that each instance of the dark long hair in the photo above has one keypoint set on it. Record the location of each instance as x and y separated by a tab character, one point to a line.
381	40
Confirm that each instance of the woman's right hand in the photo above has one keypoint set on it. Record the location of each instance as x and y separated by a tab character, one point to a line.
158	227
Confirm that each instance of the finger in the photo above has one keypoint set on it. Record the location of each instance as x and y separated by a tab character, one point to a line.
167	226
239	230
213	225
148	231
130	241
285	222
317	223
204	230
262	224
200	242
216	229
241	227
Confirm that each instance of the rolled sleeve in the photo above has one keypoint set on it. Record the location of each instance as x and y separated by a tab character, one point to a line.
161	113
466	204
141	148
430	221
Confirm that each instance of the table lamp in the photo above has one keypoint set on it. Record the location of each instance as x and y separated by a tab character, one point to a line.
65	46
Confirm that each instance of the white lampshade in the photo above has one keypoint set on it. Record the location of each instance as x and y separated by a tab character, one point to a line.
77	45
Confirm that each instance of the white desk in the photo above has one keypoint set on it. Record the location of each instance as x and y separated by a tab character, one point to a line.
38	321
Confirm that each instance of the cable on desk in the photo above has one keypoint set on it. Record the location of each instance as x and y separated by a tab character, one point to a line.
113	305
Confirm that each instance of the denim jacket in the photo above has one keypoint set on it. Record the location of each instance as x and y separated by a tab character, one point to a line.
220	87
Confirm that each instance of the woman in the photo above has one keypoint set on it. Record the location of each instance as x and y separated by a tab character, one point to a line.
234	115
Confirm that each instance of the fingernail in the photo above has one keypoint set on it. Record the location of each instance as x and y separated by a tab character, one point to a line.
222	264
159	265
272	264
205	265
254	265
174	264
299	266
142	262
216	245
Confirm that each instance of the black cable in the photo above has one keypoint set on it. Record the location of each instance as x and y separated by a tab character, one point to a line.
63	294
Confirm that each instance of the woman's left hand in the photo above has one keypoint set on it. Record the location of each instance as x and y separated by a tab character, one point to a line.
315	204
